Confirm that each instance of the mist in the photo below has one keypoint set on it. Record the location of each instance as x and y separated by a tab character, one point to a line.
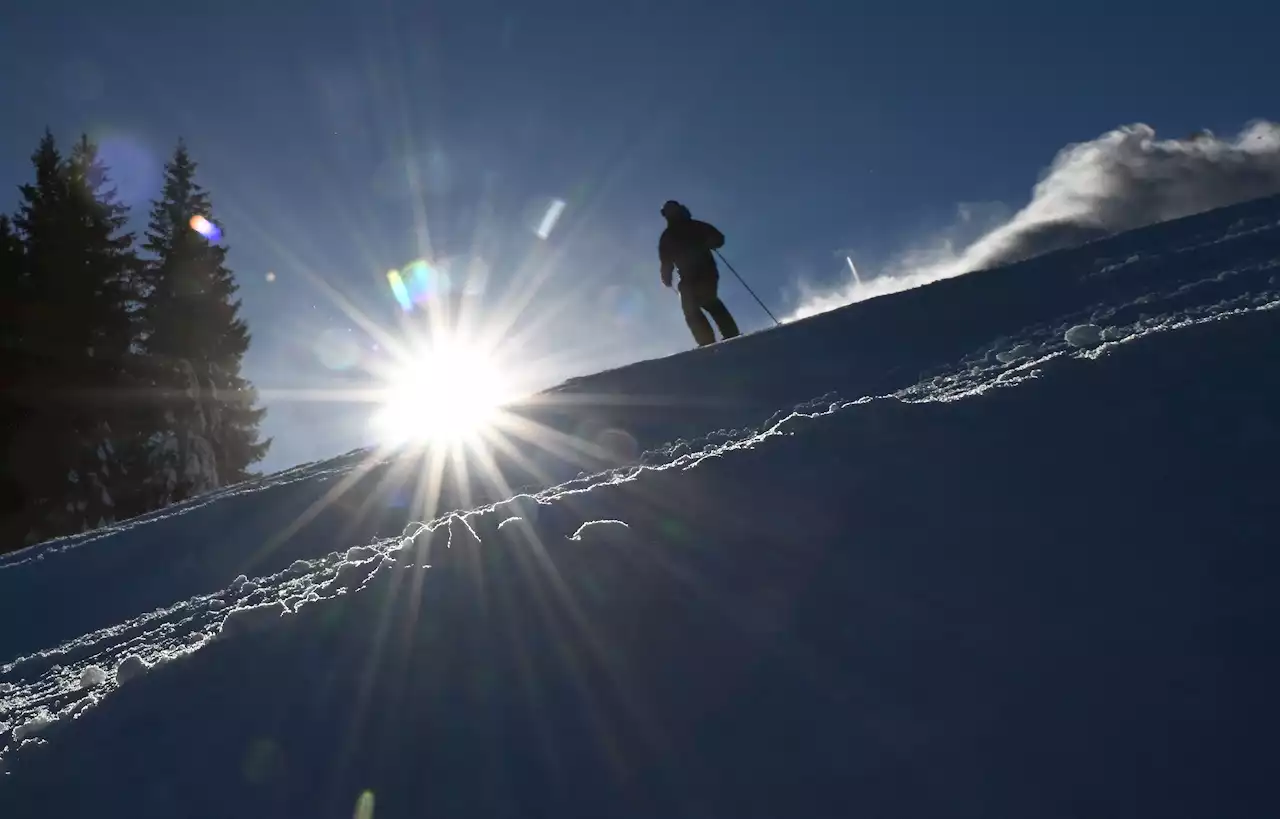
1124	179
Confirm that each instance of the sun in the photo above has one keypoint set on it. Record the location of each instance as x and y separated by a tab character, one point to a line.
448	392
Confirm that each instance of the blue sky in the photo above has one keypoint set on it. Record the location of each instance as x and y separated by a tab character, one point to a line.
340	139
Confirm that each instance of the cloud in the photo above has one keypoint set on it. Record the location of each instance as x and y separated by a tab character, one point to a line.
1122	180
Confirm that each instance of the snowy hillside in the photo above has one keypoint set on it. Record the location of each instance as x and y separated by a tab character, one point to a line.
1000	546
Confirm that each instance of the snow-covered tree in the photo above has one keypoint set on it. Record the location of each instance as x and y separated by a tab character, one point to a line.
120	384
206	434
69	339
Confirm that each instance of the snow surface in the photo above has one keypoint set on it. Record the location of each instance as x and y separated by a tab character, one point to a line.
922	556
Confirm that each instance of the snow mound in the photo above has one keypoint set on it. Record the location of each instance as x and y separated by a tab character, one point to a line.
42	720
131	667
1084	335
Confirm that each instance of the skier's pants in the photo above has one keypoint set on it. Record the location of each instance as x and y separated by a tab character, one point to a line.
699	294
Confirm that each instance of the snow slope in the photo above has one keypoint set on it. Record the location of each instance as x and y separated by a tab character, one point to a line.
1000	546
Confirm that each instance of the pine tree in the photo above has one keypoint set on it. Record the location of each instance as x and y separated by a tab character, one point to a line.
73	338
208	434
13	496
11	284
43	205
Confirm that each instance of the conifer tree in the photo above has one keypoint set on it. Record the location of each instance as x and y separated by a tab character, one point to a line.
74	335
13	496
208	433
11	285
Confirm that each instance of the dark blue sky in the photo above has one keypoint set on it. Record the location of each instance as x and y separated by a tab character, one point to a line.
331	132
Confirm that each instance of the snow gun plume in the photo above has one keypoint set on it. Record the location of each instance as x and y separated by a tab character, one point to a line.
1122	180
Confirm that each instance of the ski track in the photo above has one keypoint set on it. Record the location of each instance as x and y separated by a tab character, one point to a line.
41	691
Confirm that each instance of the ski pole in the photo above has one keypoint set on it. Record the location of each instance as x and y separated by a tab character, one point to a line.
749	290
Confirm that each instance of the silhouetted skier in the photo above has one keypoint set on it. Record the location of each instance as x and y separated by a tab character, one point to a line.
686	246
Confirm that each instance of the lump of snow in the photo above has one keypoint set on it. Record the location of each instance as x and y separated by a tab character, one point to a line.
257	598
352	575
411	550
1084	335
299	567
1009	356
594	524
7	688
75	708
92	676
130	667
242	585
361	553
251	618
33	726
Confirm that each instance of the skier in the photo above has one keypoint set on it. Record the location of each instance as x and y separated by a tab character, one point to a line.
686	245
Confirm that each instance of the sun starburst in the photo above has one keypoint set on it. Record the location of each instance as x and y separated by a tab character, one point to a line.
449	393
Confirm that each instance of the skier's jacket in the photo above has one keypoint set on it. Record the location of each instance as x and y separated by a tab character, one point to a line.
686	245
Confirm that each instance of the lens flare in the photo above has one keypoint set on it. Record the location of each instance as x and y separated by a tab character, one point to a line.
624	305
364	806
399	290
853	270
135	169
205	228
550	218
337	349
418	283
